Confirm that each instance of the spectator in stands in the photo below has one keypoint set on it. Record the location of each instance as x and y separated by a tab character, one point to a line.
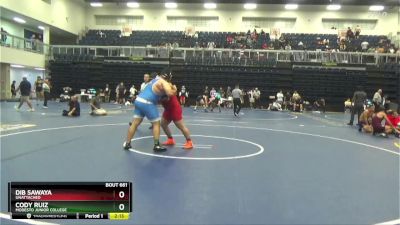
25	89
257	97
33	42
300	45
391	49
13	90
377	99
121	90
211	45
358	101
364	46
46	92
3	36
248	34
107	93
297	102
262	33
358	31
342	45
288	47
349	34
282	42
74	108
264	45
95	106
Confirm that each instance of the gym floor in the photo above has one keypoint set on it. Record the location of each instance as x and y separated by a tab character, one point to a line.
262	168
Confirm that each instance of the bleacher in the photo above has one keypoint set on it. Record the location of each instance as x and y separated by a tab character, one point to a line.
310	41
158	38
334	84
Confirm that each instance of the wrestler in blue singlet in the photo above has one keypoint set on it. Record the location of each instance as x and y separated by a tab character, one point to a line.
146	103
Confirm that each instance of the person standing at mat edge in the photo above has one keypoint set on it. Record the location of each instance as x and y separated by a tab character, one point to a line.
359	98
25	89
236	94
377	99
46	92
146	106
13	91
39	89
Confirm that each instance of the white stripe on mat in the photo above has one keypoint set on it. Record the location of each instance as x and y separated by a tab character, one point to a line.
392	222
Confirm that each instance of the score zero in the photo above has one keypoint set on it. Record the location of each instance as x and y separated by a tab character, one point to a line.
116	184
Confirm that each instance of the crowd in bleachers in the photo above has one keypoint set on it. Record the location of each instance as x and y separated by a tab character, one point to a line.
242	40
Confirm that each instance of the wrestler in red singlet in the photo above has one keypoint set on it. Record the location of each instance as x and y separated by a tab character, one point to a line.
173	112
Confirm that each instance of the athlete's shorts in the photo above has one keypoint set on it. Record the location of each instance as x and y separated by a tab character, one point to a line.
148	110
24	99
183	98
174	114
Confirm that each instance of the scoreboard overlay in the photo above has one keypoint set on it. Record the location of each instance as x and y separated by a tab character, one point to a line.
70	200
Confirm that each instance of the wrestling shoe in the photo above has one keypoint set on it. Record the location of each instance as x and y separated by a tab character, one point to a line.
158	148
170	141
188	145
383	135
127	146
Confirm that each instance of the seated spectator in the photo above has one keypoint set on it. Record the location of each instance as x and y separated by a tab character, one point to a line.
319	105
74	108
264	46
96	108
300	45
262	32
364	46
383	130
275	106
297	102
365	120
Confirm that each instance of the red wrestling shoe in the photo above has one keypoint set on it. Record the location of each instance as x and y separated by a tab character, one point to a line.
170	141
